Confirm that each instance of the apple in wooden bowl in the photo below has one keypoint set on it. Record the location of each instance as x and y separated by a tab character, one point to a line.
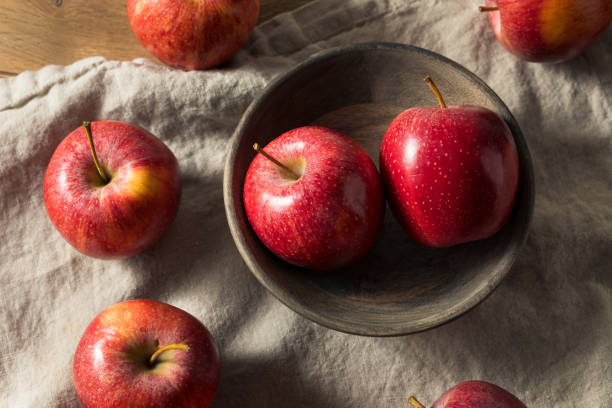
400	286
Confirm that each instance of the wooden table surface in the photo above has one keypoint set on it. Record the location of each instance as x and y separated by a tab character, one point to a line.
35	33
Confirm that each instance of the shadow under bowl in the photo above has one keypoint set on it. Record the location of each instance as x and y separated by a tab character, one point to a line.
400	287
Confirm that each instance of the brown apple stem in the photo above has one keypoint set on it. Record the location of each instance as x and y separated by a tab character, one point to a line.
482	8
179	346
435	90
103	175
258	149
415	403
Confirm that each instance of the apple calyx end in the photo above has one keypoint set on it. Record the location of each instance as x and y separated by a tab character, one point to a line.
179	346
290	173
436	91
101	173
487	9
415	402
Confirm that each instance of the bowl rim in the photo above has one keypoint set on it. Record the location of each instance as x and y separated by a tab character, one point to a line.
434	320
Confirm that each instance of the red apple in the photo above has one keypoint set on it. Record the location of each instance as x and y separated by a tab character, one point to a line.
474	394
128	212
193	34
548	30
324	208
144	353
450	172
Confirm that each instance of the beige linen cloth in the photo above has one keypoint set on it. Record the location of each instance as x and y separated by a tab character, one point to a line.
545	334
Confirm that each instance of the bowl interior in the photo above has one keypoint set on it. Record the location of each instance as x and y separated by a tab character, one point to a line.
400	287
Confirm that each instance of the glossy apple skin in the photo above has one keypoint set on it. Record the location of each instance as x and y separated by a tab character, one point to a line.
132	211
332	215
451	174
549	30
477	394
110	368
193	34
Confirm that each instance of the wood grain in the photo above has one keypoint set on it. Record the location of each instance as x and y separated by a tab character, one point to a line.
35	33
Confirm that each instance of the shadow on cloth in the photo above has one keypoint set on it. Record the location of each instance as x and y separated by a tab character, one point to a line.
192	244
269	381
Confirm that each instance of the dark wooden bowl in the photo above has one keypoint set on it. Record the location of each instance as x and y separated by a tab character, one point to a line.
400	287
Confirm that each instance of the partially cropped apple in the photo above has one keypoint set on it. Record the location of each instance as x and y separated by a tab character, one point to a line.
548	30
314	198
450	172
114	198
144	353
193	34
474	394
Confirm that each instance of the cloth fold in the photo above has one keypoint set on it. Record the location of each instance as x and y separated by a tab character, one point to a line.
544	334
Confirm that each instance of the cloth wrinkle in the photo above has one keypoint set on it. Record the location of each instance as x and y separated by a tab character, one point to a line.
543	334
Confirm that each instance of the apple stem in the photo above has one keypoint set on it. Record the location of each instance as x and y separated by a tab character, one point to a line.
482	8
415	403
87	126
435	90
258	149
179	346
